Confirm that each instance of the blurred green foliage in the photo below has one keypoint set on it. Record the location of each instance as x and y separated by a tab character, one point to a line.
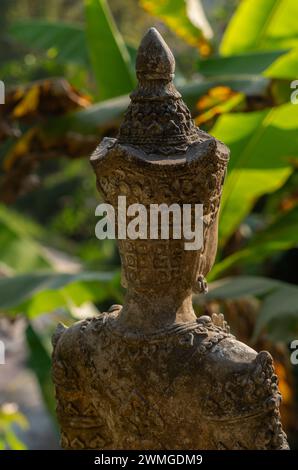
238	86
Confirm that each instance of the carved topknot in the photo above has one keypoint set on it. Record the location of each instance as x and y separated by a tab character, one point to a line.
155	59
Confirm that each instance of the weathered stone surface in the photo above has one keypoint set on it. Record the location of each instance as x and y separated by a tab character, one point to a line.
150	375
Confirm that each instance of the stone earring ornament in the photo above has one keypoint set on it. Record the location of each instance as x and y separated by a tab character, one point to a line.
150	375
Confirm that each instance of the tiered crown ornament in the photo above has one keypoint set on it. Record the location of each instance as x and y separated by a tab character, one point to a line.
150	375
157	120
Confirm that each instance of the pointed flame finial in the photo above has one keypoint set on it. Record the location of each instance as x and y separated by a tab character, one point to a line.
155	59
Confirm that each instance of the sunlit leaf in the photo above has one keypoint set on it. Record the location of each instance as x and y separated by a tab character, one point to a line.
241	286
262	25
261	144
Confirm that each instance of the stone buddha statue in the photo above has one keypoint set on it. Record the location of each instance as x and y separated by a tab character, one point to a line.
150	374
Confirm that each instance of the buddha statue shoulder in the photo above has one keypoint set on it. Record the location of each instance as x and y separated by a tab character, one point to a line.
150	374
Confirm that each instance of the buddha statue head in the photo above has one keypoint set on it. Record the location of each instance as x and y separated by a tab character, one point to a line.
150	375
